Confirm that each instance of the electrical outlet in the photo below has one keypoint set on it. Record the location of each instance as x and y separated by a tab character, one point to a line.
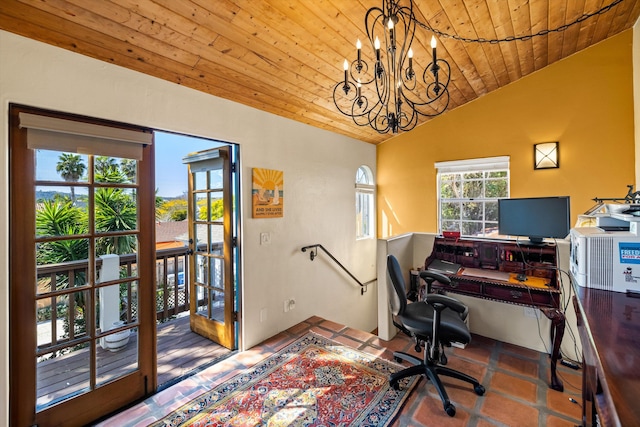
531	312
289	304
265	238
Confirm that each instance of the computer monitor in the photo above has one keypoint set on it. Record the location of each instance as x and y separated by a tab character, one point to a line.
535	217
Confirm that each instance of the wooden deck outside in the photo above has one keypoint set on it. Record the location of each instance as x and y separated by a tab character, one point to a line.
180	352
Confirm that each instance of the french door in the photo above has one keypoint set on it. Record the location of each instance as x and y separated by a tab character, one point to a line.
82	312
211	216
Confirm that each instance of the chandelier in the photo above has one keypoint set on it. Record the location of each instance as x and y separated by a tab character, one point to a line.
391	94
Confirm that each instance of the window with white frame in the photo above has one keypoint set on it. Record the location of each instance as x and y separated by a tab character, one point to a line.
364	203
468	193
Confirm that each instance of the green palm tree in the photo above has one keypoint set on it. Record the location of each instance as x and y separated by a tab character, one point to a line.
62	218
129	169
115	211
54	218
71	168
108	170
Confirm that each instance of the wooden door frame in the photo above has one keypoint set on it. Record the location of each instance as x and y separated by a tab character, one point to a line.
225	335
22	339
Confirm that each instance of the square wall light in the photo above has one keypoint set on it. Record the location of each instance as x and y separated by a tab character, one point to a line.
545	155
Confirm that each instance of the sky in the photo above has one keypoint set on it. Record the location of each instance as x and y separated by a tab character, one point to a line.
171	173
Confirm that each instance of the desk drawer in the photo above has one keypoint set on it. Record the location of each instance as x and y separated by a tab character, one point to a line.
461	287
519	295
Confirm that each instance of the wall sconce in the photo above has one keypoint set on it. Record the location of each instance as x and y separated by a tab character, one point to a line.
545	155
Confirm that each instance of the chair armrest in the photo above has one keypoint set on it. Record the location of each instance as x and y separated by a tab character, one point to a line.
429	276
445	301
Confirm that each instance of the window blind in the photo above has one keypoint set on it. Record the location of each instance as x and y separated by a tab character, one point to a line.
485	163
70	136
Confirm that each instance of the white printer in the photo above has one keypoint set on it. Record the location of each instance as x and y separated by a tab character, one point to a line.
608	260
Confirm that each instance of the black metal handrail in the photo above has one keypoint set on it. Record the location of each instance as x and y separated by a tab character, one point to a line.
313	255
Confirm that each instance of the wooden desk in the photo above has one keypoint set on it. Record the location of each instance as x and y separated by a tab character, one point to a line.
609	327
489	270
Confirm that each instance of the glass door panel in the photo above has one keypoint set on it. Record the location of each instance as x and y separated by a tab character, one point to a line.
210	224
69	352
80	224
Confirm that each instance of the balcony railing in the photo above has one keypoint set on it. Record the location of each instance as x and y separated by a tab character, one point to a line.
63	286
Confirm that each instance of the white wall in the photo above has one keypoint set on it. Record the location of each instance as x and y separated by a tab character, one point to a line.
410	249
319	174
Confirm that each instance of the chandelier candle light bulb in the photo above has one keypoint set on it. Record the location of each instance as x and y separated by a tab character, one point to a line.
410	69
346	77
359	100
435	68
434	43
378	63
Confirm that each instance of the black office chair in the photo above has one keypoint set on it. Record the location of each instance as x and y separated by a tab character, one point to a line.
434	323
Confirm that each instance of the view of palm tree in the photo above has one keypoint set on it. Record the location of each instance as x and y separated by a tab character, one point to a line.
71	168
65	215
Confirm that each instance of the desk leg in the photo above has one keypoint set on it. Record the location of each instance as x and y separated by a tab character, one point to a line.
557	332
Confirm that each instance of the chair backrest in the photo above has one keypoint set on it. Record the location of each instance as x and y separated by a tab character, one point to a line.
397	295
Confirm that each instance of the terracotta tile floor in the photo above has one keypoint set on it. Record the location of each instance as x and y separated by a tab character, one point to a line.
515	378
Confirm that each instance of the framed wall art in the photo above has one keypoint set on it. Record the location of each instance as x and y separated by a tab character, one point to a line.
267	193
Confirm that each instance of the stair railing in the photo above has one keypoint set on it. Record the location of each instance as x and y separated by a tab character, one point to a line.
314	253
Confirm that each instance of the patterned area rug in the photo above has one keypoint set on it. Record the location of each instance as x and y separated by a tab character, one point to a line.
311	382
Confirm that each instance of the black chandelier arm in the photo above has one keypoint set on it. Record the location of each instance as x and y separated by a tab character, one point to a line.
370	28
339	89
431	108
409	82
408	122
442	78
370	118
356	107
361	67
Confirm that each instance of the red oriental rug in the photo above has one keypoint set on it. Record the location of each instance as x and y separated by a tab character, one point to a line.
311	382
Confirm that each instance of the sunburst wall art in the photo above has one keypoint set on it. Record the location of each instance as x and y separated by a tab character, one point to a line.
267	193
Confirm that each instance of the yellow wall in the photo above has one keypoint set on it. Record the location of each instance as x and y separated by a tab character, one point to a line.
585	102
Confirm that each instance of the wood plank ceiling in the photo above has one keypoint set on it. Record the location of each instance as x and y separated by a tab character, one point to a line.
285	56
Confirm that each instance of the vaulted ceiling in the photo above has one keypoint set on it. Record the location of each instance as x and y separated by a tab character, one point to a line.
285	56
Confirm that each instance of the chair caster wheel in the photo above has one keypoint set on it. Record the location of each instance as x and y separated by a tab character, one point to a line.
395	385
397	359
479	389
450	410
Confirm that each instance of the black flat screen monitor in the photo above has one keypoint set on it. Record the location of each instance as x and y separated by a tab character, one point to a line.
536	217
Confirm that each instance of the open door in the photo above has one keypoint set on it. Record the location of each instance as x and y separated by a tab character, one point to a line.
82	317
212	248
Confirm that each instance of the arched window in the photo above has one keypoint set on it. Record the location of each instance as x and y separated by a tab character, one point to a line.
364	203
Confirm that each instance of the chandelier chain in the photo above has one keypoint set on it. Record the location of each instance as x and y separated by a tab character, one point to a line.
520	38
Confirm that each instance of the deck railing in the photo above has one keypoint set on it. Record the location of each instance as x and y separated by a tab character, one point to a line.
172	294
